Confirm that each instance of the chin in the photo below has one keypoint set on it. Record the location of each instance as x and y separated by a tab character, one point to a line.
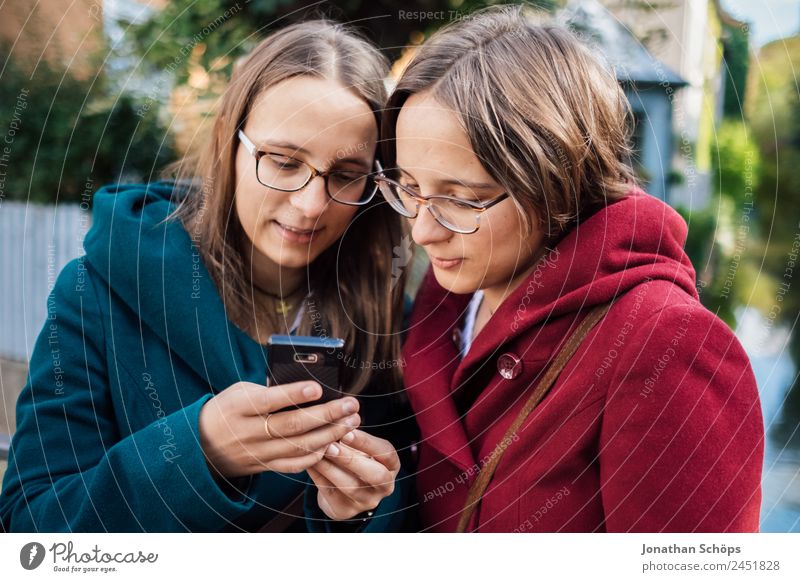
286	255
455	282
294	259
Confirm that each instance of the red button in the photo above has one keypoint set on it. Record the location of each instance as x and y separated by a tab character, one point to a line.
509	365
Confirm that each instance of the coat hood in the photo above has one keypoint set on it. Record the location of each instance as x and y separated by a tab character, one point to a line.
149	261
627	243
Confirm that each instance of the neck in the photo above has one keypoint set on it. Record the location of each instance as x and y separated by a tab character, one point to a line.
272	278
494	296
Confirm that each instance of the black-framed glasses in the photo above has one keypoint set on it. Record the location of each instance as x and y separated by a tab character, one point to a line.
288	174
455	214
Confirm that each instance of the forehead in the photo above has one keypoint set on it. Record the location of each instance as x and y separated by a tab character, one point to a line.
431	139
313	113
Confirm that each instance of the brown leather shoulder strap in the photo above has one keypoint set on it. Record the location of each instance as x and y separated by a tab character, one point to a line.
570	346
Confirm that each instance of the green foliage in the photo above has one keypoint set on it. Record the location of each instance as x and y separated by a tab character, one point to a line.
774	112
773	105
66	133
702	226
213	33
709	260
735	161
736	55
718	237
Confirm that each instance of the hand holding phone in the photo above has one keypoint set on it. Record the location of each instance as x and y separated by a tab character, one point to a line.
247	428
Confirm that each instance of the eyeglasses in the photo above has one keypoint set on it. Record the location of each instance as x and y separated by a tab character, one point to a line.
287	174
455	214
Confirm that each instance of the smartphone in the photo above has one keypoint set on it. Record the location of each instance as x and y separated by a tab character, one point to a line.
294	358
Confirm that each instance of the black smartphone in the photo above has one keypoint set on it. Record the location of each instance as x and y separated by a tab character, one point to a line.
294	358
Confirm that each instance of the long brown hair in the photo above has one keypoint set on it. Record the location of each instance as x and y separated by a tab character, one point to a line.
354	294
546	119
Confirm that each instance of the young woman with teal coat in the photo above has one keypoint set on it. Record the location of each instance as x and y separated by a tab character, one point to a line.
146	407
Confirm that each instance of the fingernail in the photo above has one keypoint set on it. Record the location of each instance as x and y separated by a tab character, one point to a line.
349	437
333	450
349	406
309	391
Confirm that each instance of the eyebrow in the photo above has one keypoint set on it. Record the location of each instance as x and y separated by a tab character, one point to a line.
298	150
281	144
460	183
470	185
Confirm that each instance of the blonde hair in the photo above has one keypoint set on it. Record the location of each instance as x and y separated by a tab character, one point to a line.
358	298
546	119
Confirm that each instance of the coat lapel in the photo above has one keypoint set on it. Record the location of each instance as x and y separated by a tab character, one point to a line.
432	358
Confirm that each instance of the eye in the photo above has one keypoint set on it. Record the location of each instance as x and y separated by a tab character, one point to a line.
464	196
348	176
460	204
282	162
407	183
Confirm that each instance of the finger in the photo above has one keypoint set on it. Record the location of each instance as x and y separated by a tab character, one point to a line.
294	464
327	507
352	450
303	420
319	438
332	501
321	481
379	449
366	469
262	400
346	482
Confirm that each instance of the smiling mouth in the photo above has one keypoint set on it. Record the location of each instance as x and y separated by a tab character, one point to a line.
294	234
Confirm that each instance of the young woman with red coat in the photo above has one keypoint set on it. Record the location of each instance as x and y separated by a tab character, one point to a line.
506	147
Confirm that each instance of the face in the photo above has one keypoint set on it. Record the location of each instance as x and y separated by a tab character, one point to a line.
436	156
324	124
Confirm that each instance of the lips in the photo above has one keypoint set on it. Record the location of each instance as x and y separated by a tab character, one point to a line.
295	234
442	263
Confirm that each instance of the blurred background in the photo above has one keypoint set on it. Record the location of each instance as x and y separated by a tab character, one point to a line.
100	91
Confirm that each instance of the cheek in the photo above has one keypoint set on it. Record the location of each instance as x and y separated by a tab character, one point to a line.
250	208
253	203
488	252
499	246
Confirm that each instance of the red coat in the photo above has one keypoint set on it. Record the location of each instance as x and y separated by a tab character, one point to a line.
654	424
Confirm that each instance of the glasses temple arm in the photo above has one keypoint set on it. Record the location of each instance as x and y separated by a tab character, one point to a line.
249	145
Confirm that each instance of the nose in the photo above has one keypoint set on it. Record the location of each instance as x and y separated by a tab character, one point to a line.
311	200
426	230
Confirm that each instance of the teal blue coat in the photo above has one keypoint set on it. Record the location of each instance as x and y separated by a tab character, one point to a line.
135	342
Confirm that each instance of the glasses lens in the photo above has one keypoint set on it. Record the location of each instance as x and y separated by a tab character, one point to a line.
351	187
398	197
282	172
454	215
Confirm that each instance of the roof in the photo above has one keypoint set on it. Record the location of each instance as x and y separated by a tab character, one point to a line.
631	61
